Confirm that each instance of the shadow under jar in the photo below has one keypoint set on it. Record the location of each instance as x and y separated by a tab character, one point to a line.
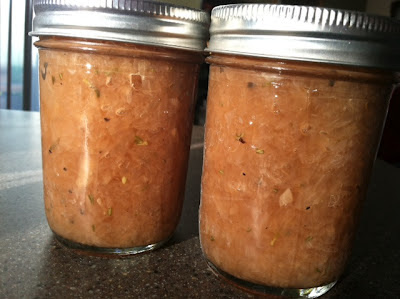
117	104
294	119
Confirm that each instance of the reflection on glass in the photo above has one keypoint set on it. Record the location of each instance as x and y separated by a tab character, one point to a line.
17	56
34	78
4	10
16	36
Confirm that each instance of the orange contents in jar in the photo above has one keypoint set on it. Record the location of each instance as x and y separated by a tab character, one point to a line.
116	124
288	152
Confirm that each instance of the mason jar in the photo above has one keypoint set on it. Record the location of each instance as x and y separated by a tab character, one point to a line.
117	90
296	104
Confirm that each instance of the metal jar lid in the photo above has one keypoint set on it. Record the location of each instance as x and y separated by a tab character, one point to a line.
132	21
306	34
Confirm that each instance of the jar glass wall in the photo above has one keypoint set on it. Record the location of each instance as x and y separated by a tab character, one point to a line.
116	123
289	148
118	82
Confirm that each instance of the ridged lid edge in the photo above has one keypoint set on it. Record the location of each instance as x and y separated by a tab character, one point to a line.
132	21
128	6
306	33
334	19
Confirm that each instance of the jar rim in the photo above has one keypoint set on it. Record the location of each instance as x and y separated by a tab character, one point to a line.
133	21
306	33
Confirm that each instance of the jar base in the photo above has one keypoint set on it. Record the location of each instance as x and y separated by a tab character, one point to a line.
108	251
313	292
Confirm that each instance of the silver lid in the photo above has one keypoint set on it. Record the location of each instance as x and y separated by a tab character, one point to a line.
306	34
140	22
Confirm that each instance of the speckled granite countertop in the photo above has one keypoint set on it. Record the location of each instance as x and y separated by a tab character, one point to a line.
34	265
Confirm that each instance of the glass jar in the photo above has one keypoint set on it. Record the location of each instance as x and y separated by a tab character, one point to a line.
117	92
294	117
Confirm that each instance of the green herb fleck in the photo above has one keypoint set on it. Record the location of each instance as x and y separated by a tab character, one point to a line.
44	73
212	238
53	79
54	146
95	89
260	151
239	137
109	211
87	83
140	141
60	75
91	198
265	84
318	270
51	148
309	238
248	229
93	228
